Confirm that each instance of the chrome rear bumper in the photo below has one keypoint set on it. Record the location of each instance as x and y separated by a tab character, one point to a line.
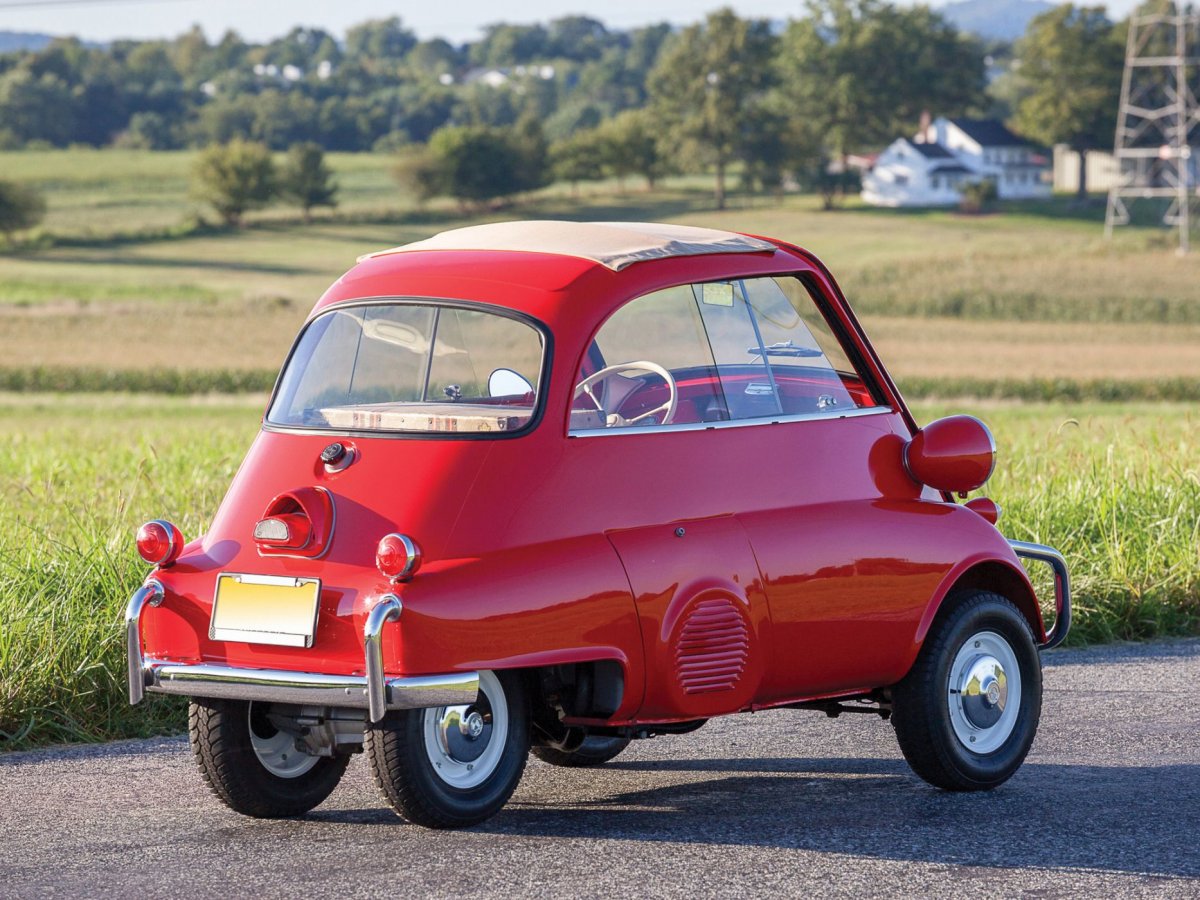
374	691
1062	587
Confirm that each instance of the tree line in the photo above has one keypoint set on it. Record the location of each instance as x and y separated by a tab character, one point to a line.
574	100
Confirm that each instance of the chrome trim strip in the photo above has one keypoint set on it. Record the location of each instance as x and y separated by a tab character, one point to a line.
151	593
307	688
1062	587
388	609
734	423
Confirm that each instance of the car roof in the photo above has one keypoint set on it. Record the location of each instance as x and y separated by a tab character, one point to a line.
614	245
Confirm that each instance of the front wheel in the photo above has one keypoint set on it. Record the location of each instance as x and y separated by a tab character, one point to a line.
254	766
453	766
966	714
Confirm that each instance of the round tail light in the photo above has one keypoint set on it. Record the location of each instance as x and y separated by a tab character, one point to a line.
159	542
398	557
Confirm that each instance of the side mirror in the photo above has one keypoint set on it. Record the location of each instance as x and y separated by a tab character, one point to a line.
955	454
507	383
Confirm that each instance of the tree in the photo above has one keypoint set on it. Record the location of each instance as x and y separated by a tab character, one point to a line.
578	158
234	178
306	180
860	72
21	207
380	39
631	147
474	164
708	82
1068	67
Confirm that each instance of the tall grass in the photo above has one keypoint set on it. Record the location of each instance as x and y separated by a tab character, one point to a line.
1117	488
76	477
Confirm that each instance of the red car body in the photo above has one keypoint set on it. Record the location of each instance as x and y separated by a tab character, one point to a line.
723	568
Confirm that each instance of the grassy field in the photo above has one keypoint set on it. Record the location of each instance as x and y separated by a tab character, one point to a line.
945	296
1116	488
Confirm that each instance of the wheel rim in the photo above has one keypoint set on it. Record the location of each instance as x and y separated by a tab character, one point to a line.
984	692
465	743
276	749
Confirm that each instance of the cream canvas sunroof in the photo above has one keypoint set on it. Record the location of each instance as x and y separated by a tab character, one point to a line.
612	244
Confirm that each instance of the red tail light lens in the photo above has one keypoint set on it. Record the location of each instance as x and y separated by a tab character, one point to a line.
398	557
159	542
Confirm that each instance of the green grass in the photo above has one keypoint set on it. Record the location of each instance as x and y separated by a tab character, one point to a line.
1116	487
188	382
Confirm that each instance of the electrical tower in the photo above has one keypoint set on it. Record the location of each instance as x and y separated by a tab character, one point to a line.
1157	144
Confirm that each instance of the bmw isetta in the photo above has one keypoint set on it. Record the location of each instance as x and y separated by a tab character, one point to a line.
550	487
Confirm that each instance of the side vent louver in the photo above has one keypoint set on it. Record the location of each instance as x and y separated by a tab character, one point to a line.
713	647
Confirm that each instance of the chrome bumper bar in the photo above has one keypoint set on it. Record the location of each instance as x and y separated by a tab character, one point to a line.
374	692
1062	587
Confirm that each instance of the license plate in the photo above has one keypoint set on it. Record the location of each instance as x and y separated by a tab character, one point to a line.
265	609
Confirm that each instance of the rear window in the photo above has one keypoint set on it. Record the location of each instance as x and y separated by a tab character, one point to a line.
412	367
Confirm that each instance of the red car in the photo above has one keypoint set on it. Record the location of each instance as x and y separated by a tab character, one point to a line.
554	486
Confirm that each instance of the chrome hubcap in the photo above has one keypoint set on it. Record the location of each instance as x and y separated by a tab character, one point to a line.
465	743
984	692
276	748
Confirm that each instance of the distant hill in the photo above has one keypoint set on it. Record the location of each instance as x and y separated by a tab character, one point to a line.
21	40
1002	20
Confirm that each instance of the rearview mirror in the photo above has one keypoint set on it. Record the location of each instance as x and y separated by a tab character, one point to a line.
507	383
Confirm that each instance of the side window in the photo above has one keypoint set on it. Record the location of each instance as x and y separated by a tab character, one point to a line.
756	348
808	361
642	359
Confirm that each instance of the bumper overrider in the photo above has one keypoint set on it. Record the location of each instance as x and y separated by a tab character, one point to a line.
374	692
1062	588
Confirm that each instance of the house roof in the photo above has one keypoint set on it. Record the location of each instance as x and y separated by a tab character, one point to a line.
989	133
614	245
950	169
931	151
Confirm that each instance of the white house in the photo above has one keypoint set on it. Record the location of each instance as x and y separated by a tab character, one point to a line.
931	168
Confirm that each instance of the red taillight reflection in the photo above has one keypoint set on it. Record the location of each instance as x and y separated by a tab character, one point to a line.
398	557
159	542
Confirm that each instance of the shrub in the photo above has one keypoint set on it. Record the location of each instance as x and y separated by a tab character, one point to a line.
21	207
978	196
234	178
307	180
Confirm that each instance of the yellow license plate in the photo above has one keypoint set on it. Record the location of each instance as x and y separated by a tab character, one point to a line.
265	609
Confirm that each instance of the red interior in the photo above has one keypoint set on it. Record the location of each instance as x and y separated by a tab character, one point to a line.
706	395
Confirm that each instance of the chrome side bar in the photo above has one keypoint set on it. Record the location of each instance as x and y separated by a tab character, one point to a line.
388	609
1062	587
151	593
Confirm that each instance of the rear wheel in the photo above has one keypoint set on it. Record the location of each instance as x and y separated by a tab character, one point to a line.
966	714
254	767
453	766
595	750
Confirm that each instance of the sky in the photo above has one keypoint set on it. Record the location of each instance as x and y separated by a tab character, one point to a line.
258	20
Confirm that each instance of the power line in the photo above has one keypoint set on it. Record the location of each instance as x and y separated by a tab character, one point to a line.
34	4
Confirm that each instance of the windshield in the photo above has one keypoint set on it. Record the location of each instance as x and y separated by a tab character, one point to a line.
411	367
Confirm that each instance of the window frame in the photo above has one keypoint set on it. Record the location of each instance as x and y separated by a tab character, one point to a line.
810	285
543	387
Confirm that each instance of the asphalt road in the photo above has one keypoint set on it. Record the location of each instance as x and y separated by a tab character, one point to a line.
782	803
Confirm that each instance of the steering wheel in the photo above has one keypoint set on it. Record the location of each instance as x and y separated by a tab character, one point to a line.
612	418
